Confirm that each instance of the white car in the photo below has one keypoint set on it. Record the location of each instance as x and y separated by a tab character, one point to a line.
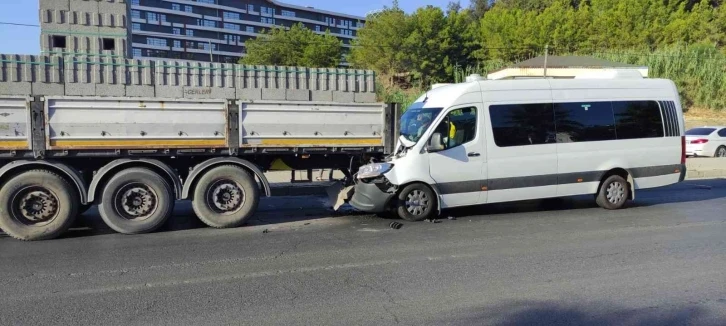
706	141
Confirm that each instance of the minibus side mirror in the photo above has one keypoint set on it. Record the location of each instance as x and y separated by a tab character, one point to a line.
435	144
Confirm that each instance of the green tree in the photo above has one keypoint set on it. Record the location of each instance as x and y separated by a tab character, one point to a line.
523	4
380	44
427	45
508	34
477	8
297	46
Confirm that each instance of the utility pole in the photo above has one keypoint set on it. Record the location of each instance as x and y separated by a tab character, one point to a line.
211	58
547	52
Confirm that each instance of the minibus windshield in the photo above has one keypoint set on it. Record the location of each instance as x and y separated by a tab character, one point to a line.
416	120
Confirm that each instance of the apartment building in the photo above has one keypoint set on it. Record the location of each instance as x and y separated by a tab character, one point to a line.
199	30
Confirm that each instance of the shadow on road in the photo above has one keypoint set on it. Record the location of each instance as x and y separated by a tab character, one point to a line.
553	313
278	210
271	211
687	191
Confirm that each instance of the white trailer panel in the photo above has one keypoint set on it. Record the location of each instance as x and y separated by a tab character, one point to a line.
15	123
311	124
105	122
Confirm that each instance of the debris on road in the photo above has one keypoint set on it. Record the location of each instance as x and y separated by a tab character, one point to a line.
433	220
452	218
396	225
265	231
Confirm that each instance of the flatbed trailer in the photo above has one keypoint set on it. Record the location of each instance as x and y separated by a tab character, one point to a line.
134	157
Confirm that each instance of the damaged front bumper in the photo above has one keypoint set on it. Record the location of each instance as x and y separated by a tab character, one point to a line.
370	197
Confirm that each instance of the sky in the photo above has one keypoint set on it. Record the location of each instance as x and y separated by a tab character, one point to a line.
26	40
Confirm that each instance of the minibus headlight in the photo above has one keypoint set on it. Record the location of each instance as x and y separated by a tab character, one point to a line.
373	170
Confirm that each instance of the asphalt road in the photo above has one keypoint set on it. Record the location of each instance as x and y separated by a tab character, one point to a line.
662	261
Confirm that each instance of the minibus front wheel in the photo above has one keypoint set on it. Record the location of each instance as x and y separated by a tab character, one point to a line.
416	202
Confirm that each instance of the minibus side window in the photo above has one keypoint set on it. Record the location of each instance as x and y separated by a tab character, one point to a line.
584	121
637	119
458	127
523	124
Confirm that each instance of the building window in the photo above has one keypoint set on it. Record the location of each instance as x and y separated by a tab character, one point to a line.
177	43
58	41
134	2
136	52
156	41
250	29
205	46
135	26
163	18
267	10
188	9
361	24
250	7
330	21
190	32
231	15
152	16
176	31
317	28
206	22
206	1
189	44
346	32
158	53
176	6
135	14
231	26
266	20
108	44
231	38
288	13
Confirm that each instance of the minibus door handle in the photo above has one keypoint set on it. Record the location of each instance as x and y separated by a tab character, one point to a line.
473	154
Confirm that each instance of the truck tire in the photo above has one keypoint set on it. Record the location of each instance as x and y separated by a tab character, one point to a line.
225	197
416	202
135	201
37	205
613	193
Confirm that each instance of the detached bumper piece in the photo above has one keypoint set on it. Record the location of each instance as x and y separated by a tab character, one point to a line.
368	196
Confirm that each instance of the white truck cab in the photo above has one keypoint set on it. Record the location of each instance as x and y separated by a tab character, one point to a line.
488	141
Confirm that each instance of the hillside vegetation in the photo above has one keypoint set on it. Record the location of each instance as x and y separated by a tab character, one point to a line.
677	39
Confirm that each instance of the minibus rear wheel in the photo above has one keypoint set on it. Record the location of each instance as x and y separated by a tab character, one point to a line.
614	192
416	202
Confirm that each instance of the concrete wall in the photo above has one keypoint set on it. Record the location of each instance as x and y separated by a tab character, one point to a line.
115	76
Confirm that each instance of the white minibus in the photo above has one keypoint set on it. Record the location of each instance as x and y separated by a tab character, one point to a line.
491	141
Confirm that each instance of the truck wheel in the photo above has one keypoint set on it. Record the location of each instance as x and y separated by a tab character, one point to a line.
37	205
225	197
136	200
416	202
614	192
